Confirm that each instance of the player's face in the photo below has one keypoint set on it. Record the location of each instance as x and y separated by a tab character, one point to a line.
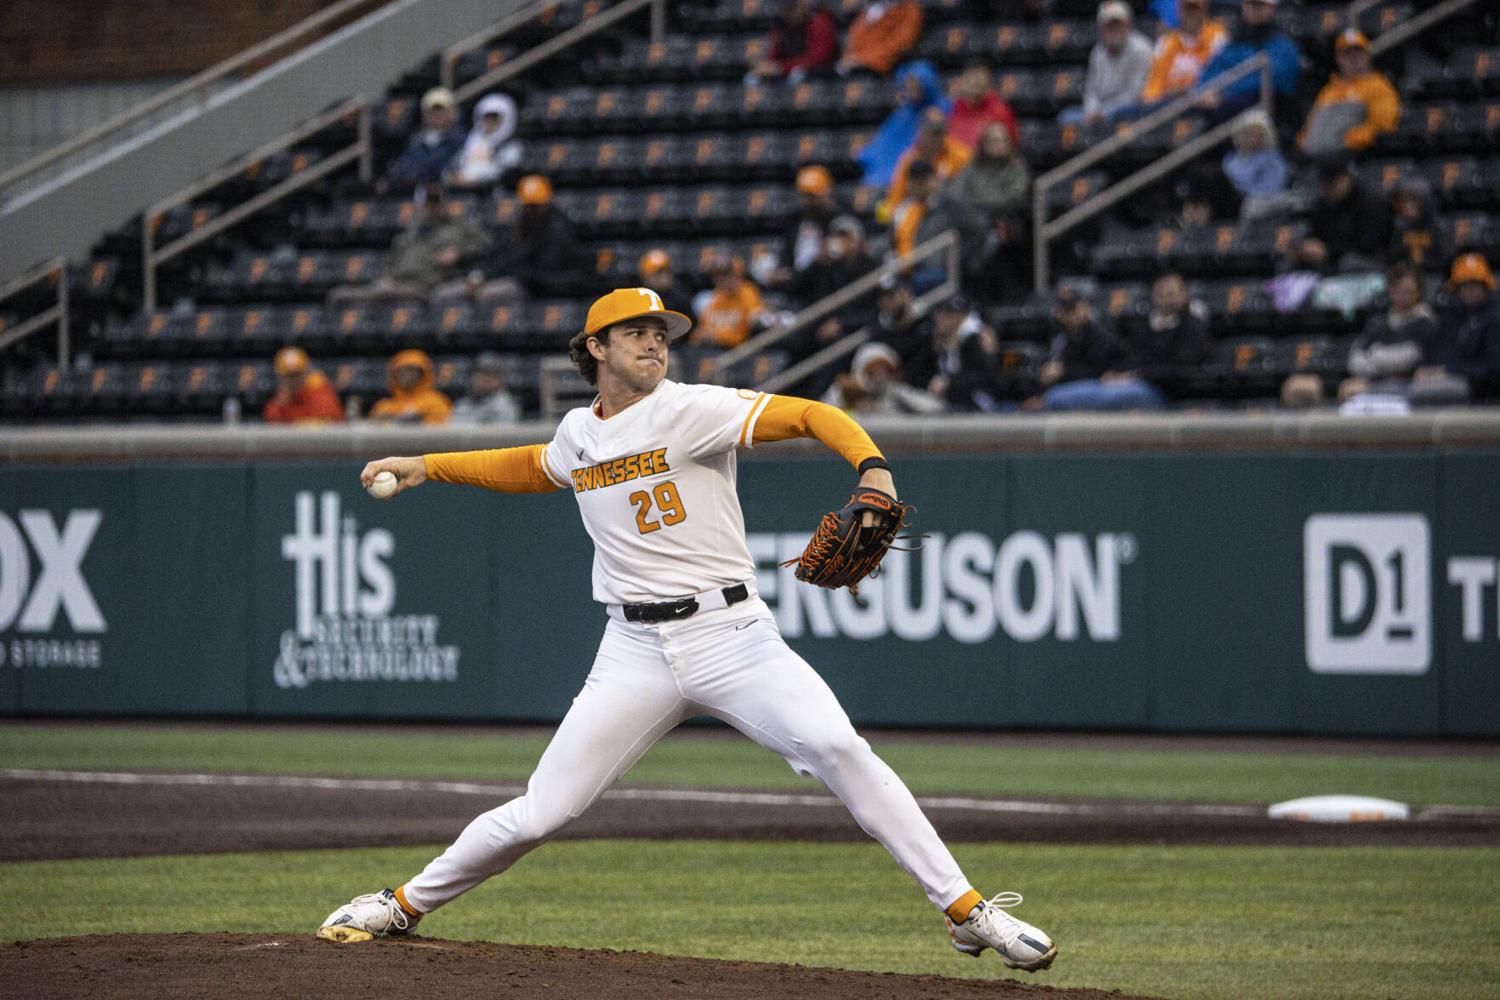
635	353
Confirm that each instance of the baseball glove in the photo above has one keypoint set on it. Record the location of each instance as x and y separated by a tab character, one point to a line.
843	551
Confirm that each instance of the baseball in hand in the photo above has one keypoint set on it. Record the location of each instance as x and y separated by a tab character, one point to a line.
384	486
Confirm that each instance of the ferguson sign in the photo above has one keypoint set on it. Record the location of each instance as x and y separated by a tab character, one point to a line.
1027	586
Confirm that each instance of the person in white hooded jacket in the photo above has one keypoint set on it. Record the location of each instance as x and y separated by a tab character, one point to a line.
490	149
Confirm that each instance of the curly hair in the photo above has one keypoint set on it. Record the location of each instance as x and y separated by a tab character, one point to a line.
578	351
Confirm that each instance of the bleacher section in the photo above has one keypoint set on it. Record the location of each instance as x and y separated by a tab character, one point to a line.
666	146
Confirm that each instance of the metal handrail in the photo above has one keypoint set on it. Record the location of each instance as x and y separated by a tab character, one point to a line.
56	267
153	256
1356	8
1044	232
943	243
850	343
195	85
554	45
1408	29
453	53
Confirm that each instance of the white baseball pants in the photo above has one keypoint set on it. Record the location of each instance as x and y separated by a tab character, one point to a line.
730	663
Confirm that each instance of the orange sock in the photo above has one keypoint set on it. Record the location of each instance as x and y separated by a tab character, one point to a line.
958	910
411	911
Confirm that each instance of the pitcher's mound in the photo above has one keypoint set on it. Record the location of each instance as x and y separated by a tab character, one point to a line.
256	966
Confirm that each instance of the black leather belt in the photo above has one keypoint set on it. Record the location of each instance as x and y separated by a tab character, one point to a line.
668	611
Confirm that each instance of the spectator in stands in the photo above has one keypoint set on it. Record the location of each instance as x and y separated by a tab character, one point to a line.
804	39
1415	236
897	321
1082	350
1257	32
842	260
1349	226
432	147
946	155
432	250
873	386
490	149
920	90
996	188
655	270
413	399
1174	343
1356	105
1464	358
925	213
1388	351
1181	53
817	206
976	104
1118	66
536	257
880	36
488	401
303	394
957	363
1152	361
1256	167
732	310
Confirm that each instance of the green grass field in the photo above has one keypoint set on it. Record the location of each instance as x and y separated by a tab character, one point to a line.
1181	922
702	760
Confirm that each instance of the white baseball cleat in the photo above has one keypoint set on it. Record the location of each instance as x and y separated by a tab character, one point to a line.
1019	945
373	915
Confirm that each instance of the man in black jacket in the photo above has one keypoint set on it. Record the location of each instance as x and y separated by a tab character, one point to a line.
1173	344
1464	358
537	257
958	362
1083	351
1349	226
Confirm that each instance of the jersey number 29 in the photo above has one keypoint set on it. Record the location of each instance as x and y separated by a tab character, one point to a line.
667	501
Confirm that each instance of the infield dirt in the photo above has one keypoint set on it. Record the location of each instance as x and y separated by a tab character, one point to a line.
255	966
50	819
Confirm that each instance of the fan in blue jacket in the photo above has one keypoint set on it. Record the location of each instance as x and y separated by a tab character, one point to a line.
1257	32
920	88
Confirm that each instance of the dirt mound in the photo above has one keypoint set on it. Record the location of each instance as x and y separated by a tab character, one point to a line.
255	966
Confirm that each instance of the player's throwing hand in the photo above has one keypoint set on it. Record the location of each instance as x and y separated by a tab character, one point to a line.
409	472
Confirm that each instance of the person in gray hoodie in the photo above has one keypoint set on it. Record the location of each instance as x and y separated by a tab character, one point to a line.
996	188
1118	66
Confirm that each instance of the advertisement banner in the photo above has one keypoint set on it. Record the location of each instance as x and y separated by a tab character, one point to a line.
1269	592
123	590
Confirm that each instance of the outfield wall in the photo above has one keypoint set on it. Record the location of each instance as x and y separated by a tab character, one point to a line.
1148	574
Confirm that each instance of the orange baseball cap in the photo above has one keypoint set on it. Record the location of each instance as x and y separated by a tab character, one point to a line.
1471	267
633	303
534	189
1351	38
814	180
655	262
291	361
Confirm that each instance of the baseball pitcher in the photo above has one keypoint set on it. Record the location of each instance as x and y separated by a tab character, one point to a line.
652	466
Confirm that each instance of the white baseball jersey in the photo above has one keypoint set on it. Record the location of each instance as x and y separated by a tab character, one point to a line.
655	484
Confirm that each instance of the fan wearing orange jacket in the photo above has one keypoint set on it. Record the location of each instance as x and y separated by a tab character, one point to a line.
1355	106
303	394
1181	53
413	400
883	33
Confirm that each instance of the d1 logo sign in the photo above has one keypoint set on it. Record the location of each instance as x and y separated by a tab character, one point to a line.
1366	580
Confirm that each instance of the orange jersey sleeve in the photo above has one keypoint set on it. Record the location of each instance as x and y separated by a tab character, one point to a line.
505	470
786	417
